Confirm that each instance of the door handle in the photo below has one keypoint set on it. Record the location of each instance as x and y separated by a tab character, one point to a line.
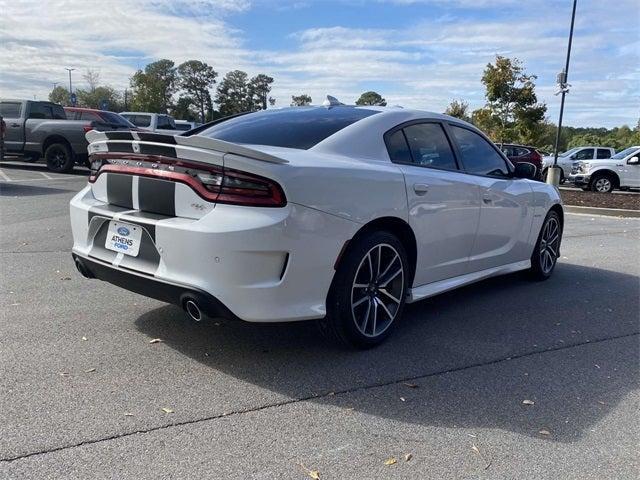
420	188
486	198
15	124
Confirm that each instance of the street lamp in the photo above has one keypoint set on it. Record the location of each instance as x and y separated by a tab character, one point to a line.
72	97
553	174
70	70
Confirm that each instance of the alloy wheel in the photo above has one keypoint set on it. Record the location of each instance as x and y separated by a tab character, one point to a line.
377	290
58	159
603	185
549	245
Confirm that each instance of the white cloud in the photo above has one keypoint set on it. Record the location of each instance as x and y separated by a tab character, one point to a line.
424	65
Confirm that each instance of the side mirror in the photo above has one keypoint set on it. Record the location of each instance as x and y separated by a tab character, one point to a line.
525	170
633	161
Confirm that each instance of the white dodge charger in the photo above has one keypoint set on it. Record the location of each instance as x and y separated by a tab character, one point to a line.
337	213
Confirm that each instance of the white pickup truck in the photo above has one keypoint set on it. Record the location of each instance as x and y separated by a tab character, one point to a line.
566	159
621	171
153	122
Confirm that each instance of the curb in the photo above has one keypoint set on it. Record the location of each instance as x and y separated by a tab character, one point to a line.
609	212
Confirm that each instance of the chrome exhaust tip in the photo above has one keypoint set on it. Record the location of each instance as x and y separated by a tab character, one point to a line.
193	310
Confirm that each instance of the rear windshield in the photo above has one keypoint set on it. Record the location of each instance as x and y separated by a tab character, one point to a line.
116	119
299	127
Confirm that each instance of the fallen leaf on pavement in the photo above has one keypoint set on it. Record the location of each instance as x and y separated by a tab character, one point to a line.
528	402
487	463
390	461
65	278
64	374
167	410
601	402
84	339
408	457
128	414
89	370
155	340
315	474
410	385
544	432
402	399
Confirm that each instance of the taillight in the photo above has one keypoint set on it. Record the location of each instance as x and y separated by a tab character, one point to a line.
87	128
215	184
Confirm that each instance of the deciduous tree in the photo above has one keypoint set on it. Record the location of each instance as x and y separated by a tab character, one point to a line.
458	109
371	98
154	87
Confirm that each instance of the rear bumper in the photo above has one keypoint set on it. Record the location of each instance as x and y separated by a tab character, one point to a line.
153	288
262	264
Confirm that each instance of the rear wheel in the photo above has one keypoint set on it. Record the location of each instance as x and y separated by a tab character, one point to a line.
59	158
367	295
547	249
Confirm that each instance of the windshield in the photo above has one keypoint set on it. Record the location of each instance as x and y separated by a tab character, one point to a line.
569	152
297	127
624	153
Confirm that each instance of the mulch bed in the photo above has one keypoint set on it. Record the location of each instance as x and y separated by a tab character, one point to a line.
601	200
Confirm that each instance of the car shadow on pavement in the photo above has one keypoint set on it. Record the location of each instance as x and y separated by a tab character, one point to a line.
467	358
20	190
41	166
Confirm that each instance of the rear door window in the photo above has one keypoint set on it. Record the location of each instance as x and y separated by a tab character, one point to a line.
140	120
478	155
41	110
90	116
398	147
10	109
604	153
429	146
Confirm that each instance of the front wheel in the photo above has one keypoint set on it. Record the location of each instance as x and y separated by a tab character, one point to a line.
368	293
547	249
602	183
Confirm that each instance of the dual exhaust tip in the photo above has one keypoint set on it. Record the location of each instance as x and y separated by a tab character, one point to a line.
193	310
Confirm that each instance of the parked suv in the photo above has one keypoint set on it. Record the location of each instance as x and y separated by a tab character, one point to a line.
523	154
622	171
566	159
103	119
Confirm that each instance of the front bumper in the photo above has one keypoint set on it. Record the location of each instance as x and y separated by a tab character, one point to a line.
580	179
261	264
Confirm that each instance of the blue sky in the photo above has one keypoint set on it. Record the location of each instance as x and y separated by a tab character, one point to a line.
416	53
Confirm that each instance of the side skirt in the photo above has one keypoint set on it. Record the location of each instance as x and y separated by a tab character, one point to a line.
429	290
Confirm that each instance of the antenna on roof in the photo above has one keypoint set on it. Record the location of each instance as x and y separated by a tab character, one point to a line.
331	102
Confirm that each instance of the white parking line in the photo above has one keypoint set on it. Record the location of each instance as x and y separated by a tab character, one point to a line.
47	176
4	176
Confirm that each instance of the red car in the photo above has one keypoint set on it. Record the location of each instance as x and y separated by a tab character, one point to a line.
103	120
523	154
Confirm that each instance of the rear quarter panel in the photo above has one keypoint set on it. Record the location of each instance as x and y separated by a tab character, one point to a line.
37	131
357	190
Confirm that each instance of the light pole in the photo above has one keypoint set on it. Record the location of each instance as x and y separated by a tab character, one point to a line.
70	70
553	175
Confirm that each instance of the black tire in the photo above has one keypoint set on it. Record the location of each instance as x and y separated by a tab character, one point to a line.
602	183
545	254
349	319
562	177
59	158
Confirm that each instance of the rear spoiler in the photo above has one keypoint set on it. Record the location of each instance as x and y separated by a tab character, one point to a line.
176	146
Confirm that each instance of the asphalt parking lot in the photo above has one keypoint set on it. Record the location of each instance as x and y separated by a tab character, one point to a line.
88	393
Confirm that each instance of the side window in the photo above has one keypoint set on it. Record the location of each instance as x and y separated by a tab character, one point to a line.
508	151
398	148
429	146
10	109
521	152
58	112
604	153
71	115
478	156
40	110
163	122
584	154
140	120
